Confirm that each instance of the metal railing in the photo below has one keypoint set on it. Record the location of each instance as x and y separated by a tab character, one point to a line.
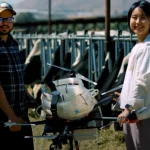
78	46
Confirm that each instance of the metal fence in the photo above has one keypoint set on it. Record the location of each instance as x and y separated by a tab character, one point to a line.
77	45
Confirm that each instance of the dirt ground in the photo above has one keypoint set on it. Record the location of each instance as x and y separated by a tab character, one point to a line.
106	139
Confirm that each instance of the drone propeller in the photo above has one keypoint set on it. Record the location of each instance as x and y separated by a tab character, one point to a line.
7	124
51	137
78	75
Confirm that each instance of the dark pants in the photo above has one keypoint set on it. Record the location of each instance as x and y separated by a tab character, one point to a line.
137	135
15	140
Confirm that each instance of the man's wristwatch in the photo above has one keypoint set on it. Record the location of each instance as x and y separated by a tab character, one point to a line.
129	107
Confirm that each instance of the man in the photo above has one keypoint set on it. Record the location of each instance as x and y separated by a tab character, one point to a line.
13	106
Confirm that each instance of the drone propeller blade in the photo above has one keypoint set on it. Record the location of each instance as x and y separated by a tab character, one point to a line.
77	74
59	67
7	124
43	136
84	78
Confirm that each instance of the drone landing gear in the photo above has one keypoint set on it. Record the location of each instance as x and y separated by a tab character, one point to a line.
57	144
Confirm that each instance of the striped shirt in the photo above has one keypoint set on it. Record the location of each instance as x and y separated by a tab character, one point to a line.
12	74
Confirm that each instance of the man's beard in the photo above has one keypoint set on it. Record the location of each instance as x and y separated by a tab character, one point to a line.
5	33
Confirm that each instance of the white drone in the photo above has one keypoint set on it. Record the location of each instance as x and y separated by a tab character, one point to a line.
70	101
74	102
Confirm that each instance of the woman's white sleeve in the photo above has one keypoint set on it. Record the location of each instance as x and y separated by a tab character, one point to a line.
140	96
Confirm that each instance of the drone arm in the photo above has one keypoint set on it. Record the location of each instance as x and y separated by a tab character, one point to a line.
64	133
104	101
39	122
119	88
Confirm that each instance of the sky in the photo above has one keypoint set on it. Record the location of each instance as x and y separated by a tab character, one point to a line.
13	2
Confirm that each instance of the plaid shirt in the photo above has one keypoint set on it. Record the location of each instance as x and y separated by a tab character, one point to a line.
12	74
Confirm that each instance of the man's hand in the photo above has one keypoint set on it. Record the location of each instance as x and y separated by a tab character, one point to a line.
16	119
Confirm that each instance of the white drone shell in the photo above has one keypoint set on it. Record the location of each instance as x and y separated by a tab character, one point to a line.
77	101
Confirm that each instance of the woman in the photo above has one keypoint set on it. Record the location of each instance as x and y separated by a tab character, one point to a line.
136	87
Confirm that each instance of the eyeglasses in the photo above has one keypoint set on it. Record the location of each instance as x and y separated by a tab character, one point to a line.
5	5
8	20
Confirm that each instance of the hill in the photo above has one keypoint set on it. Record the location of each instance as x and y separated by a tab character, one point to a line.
76	7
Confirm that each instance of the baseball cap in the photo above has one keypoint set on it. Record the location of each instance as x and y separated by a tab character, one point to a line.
6	6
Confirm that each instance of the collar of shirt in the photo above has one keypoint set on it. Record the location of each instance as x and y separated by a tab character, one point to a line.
9	40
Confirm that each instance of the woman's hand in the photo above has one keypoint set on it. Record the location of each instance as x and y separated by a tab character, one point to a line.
117	94
122	118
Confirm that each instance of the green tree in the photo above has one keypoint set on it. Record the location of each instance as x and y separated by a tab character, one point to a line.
25	17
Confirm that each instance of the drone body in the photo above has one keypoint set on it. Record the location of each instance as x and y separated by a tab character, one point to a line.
74	100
